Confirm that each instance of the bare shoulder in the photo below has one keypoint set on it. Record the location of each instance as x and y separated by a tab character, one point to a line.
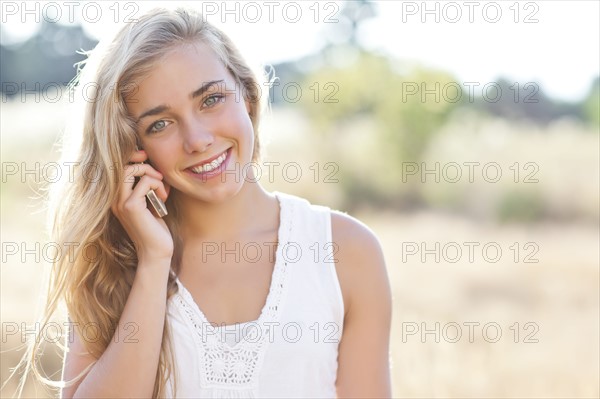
363	369
359	258
348	230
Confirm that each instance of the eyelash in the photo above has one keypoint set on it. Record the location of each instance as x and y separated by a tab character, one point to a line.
218	97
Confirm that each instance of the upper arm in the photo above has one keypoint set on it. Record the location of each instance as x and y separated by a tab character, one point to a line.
76	361
363	358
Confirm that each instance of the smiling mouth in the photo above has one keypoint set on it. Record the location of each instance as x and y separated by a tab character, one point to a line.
210	166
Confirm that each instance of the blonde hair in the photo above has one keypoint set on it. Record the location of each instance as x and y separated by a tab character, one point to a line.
95	287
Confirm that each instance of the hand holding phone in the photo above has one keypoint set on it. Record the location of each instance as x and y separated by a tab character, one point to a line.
160	209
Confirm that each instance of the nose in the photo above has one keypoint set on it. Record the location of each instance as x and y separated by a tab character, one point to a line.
196	137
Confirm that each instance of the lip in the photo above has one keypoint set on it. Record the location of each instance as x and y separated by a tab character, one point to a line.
209	160
216	172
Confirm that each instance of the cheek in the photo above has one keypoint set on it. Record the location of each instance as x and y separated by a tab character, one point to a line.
158	156
239	119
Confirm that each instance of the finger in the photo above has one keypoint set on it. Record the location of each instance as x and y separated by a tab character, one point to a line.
140	169
137	200
146	184
138	156
129	178
160	191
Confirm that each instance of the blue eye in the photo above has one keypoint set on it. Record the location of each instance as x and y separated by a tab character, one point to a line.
157	126
214	99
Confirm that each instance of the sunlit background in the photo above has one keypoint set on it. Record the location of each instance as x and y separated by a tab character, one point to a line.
465	134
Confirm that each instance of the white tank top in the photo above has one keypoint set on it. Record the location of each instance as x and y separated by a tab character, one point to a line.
291	350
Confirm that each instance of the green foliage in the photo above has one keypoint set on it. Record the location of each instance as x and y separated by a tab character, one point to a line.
410	120
407	116
520	206
591	105
376	118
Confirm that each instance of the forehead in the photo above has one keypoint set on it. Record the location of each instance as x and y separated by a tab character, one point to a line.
178	73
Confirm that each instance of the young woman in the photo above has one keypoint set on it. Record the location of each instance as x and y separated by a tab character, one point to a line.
237	292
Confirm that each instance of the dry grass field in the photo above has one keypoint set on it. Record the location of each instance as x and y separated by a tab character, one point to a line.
523	323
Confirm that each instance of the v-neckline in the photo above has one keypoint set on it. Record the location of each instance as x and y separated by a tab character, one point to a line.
277	271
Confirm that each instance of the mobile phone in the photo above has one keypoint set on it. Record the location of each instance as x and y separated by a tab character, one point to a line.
160	209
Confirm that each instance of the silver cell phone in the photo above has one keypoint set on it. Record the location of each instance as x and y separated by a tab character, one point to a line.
156	203
159	207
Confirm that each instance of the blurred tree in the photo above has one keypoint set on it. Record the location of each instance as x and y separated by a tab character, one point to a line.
46	58
350	86
341	39
591	104
399	114
525	101
351	17
408	108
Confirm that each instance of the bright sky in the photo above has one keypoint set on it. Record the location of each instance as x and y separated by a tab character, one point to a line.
558	47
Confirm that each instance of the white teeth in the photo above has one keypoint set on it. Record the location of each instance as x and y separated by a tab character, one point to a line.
211	165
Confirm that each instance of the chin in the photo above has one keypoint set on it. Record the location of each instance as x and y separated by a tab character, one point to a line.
220	193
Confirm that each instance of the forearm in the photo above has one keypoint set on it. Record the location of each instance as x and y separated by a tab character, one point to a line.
128	366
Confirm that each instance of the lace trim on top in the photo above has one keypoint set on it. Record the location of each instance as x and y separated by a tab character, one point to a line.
231	371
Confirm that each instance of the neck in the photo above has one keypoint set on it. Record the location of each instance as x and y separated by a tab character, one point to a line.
250	210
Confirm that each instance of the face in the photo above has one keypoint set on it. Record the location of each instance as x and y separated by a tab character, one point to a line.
193	123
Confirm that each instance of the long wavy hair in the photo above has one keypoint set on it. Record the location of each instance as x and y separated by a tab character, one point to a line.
94	281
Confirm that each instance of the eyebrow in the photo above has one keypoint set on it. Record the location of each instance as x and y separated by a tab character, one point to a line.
161	108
